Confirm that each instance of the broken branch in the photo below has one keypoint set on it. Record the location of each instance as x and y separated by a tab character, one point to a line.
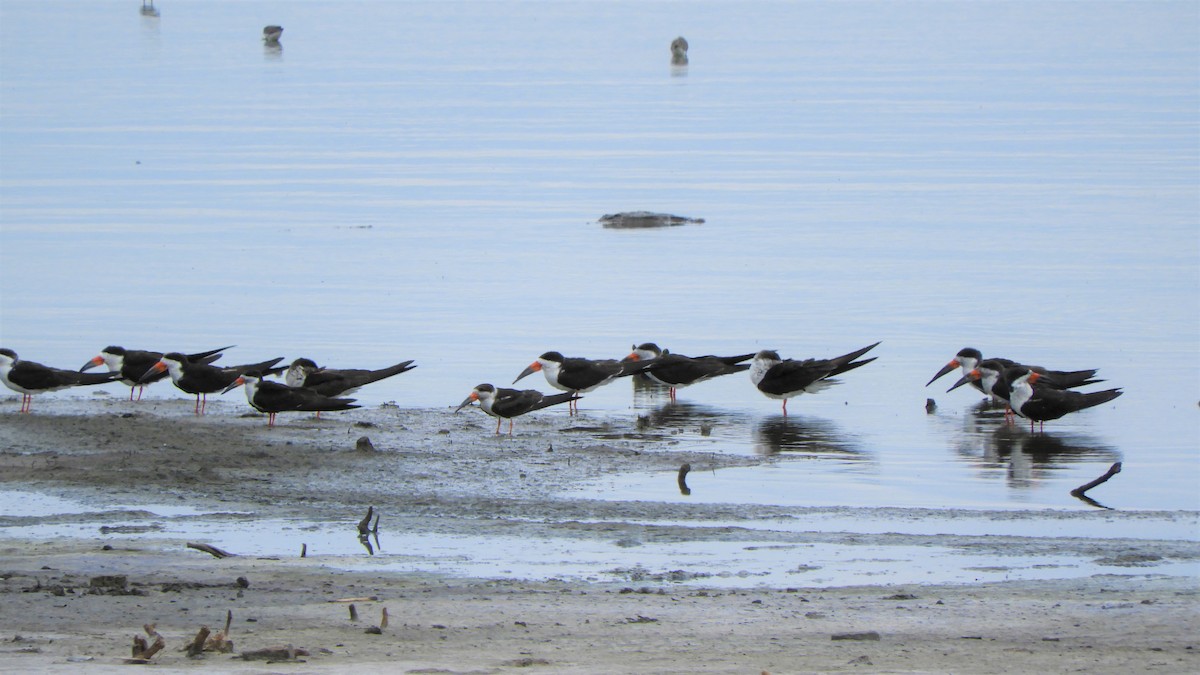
1112	471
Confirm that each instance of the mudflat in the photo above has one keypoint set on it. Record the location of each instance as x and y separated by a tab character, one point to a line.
79	600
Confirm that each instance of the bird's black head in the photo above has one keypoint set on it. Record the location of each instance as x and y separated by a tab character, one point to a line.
970	353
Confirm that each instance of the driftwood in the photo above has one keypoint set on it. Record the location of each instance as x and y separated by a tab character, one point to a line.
211	550
364	598
143	651
364	525
383	622
1112	471
628	220
221	642
197	645
303	550
277	653
683	487
1080	492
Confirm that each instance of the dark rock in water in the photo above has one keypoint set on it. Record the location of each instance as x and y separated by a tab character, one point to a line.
627	220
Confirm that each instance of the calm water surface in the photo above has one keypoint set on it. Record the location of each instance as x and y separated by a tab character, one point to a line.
421	180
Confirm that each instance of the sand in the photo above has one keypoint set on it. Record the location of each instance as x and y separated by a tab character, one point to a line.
431	471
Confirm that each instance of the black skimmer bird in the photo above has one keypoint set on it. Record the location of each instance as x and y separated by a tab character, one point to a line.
133	364
993	377
578	375
783	379
679	49
202	379
1041	403
275	397
505	404
330	382
271	34
676	370
28	377
969	358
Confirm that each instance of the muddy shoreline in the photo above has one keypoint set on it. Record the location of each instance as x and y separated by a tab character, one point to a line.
437	473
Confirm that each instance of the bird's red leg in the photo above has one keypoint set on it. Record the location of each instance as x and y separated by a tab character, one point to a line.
131	394
197	410
785	407
26	402
510	426
498	420
672	394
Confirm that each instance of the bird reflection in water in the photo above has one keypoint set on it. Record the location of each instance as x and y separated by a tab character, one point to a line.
798	435
148	9
685	417
1026	458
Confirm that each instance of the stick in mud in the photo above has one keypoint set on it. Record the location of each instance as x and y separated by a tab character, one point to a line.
197	646
683	472
1112	471
364	525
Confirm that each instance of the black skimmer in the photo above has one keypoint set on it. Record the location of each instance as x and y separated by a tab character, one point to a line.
578	375
679	49
992	377
133	364
330	382
28	377
275	397
676	370
202	379
271	34
969	358
505	404
1040	403
782	379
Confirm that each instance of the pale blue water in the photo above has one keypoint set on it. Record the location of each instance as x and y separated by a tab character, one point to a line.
421	180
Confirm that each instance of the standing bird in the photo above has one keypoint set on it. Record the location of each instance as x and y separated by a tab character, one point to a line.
133	364
676	370
782	379
28	377
577	375
273	397
330	382
505	404
271	34
202	379
992	377
969	358
679	47
1038	403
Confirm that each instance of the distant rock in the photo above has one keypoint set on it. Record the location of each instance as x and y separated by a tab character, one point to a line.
628	220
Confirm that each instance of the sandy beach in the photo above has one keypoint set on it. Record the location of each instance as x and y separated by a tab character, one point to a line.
432	471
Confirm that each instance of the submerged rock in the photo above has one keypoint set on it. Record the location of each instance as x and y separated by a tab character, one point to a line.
645	219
